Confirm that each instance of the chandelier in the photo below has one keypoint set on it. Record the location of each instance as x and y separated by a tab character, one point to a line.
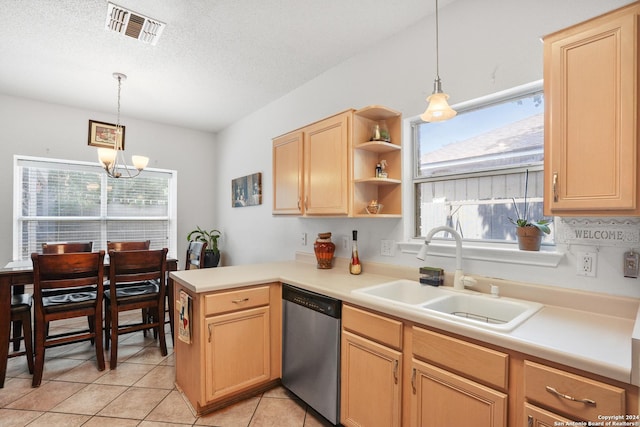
112	159
438	109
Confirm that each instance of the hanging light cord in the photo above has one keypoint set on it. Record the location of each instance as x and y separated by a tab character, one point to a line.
437	46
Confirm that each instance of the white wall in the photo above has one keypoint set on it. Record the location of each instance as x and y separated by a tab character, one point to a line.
46	130
485	47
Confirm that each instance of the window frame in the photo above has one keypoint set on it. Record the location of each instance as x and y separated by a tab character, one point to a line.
103	218
502	253
413	124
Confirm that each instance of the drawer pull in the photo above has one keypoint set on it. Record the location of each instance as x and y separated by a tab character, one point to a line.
573	399
209	327
555	186
239	301
395	371
413	380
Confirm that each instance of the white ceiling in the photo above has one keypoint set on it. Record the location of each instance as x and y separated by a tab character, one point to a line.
216	61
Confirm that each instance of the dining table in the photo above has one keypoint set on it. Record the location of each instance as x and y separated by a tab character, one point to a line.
13	279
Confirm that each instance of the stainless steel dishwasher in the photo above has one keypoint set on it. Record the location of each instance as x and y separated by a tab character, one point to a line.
311	349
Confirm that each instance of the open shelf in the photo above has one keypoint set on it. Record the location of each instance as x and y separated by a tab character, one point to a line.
367	154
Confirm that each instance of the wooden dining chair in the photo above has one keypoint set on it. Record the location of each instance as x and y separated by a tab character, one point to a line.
67	286
21	313
66	247
128	245
136	281
195	255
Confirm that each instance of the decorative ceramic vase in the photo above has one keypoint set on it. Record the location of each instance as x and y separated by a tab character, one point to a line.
529	238
324	249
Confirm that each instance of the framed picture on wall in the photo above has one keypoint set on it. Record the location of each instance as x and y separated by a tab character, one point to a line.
246	190
104	134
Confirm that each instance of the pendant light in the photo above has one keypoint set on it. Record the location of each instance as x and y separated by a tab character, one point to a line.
438	109
112	159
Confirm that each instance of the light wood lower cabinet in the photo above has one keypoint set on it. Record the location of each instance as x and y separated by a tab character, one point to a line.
456	383
574	396
441	398
237	352
371	385
235	349
371	368
537	417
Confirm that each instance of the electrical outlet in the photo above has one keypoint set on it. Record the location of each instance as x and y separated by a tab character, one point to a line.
387	247
586	264
345	242
303	239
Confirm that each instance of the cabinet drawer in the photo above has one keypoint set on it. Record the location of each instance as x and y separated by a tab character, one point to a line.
473	361
377	328
592	398
239	299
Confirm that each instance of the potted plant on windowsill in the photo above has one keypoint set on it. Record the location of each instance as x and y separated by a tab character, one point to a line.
529	232
212	252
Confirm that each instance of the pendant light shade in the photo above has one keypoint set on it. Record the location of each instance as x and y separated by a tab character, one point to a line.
438	109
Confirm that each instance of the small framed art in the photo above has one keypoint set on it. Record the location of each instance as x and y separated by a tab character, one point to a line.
246	190
103	134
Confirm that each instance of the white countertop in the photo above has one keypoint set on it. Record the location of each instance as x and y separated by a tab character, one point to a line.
580	338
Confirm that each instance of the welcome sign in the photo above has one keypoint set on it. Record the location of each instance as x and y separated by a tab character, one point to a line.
602	233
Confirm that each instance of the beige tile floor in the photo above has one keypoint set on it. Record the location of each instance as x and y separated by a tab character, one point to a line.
140	392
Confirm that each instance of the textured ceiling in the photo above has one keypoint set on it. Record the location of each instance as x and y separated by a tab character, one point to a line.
216	61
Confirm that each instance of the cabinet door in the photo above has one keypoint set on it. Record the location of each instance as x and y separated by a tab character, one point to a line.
287	174
590	118
326	166
371	383
536	417
441	398
237	351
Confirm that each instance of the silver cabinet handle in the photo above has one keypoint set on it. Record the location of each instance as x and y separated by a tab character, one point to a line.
298	203
239	301
555	186
573	399
529	421
306	203
395	371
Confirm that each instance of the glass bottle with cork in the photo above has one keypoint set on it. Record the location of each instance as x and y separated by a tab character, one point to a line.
354	263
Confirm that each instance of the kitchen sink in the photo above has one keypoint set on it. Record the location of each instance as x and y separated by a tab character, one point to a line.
403	291
502	314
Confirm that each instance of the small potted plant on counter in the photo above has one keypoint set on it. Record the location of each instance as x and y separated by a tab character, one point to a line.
529	232
212	253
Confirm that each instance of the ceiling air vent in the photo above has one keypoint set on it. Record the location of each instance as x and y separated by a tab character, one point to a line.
133	24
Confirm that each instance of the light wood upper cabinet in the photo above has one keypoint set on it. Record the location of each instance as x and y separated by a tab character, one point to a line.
328	168
311	168
287	174
591	117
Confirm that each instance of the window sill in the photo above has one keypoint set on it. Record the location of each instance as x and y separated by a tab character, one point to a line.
505	253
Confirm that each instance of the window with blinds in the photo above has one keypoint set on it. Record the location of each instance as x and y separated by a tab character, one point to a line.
64	201
469	171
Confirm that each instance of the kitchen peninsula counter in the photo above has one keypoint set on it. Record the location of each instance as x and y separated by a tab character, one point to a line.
591	332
